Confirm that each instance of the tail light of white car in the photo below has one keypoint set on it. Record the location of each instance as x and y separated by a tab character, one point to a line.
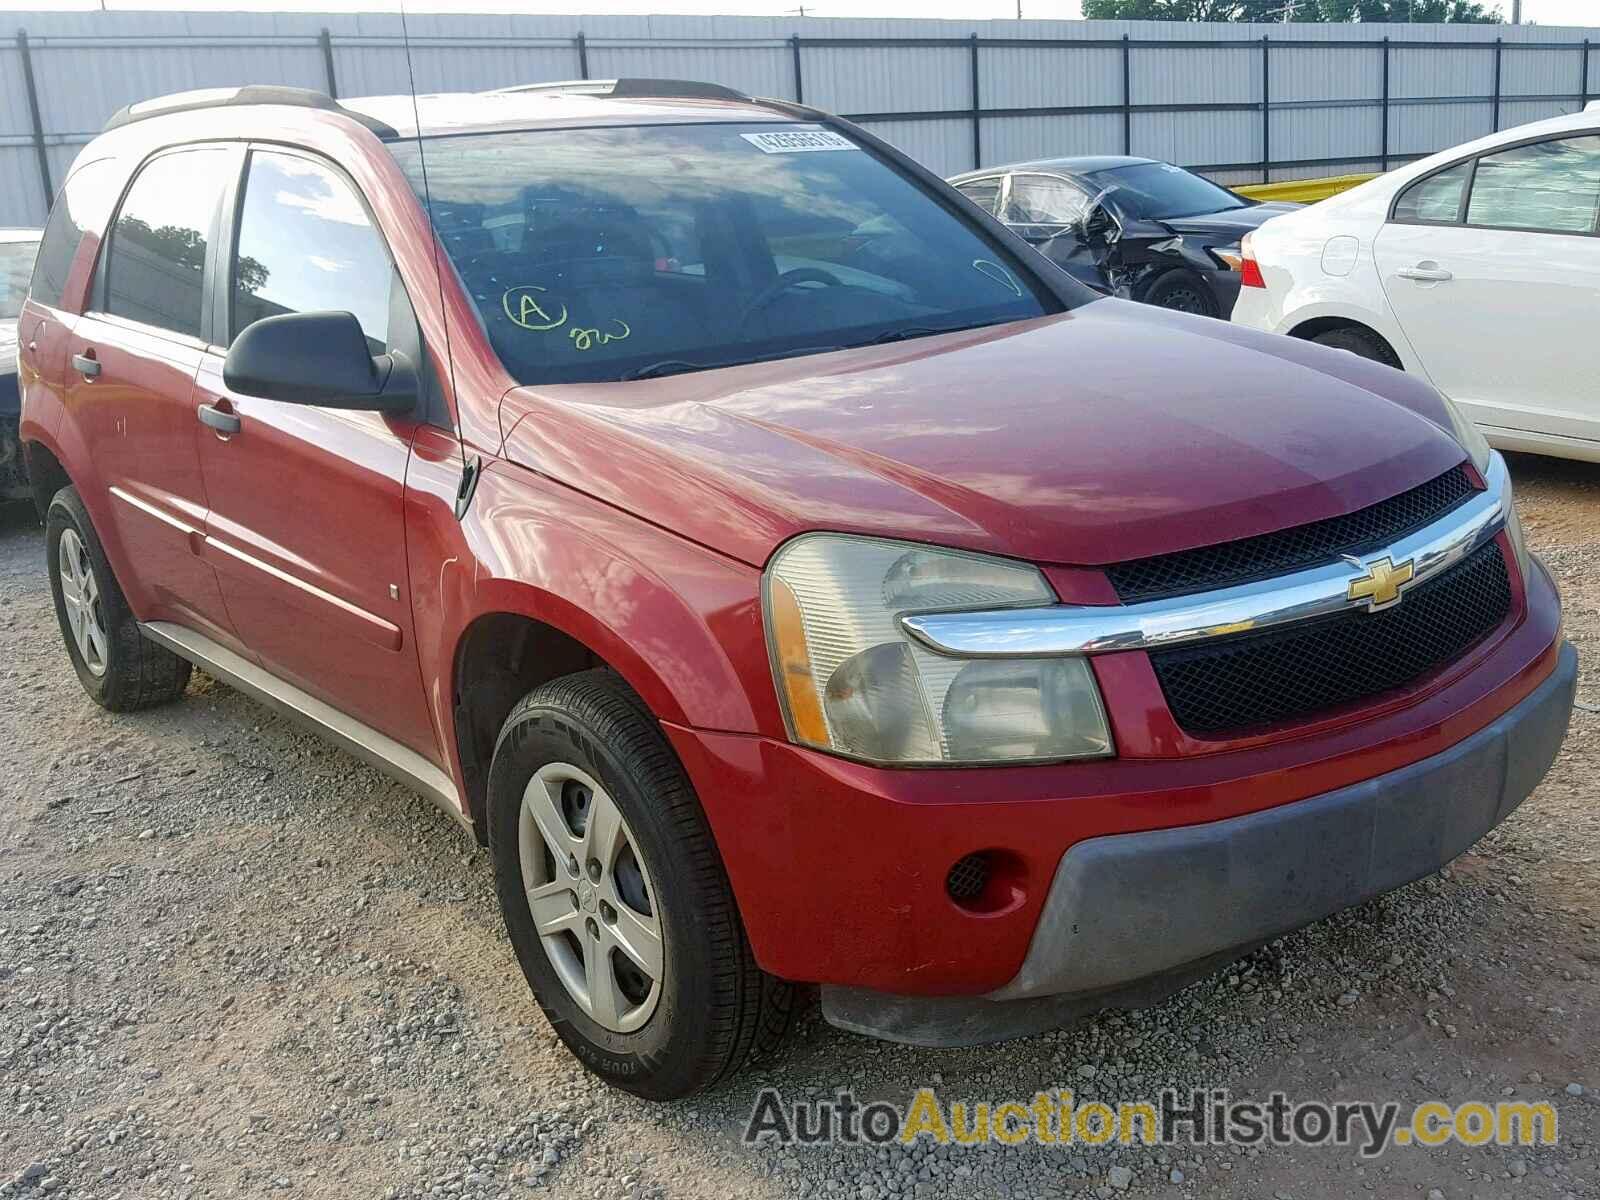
1249	269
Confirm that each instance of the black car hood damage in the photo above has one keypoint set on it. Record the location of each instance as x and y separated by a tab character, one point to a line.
1231	223
1117	254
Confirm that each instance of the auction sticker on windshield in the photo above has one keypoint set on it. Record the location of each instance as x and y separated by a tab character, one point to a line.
799	141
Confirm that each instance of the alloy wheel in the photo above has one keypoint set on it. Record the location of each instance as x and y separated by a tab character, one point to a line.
590	897
80	592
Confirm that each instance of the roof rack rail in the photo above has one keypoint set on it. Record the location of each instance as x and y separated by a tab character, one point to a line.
633	89
293	97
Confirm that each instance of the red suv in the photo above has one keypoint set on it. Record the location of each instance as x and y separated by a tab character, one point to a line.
790	576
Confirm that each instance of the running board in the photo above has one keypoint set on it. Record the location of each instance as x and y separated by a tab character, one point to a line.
366	743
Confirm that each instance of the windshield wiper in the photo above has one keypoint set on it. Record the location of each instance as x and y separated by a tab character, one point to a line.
916	331
679	366
667	366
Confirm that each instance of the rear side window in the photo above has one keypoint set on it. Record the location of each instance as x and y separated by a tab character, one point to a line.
156	264
1550	186
83	205
306	245
1435	200
985	193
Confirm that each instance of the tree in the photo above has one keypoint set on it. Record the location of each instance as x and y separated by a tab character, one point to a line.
1378	11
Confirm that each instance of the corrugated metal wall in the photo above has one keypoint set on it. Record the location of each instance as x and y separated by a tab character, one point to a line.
1195	92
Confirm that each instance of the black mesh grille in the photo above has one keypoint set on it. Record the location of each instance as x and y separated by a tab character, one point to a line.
968	877
1300	670
1290	549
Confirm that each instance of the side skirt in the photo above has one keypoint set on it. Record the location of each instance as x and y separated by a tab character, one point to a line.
366	743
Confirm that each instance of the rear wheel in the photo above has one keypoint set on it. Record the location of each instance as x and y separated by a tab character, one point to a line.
615	898
1184	291
119	668
1360	341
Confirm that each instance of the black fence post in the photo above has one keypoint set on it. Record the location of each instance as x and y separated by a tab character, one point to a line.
1127	95
38	120
799	80
1499	45
1583	79
326	39
1385	152
977	117
582	45
1266	110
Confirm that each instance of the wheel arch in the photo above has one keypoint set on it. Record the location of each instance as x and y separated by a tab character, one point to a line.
46	475
526	637
1316	326
499	658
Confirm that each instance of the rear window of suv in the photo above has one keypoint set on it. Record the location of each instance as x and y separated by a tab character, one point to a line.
611	253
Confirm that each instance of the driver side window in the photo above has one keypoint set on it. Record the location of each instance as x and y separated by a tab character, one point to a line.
306	245
1043	204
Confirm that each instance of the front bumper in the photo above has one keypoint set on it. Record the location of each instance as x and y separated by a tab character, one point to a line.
1224	289
1134	916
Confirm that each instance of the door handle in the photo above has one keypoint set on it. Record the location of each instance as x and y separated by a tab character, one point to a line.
1426	273
86	365
225	423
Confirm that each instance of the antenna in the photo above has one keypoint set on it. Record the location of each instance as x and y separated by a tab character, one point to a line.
468	471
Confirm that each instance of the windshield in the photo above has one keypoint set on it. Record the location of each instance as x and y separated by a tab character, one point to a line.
1162	192
16	268
623	252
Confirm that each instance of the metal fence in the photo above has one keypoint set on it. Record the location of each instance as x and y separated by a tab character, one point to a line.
1240	102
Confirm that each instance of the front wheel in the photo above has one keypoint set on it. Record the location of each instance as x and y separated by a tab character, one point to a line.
1183	291
615	898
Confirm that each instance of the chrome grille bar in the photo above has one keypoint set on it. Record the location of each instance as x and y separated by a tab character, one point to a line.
1062	629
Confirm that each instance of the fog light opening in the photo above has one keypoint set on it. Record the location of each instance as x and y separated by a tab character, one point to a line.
985	881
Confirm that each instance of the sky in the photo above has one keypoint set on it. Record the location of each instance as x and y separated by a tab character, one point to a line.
1544	12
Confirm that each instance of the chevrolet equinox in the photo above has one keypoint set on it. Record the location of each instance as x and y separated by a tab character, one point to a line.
790	577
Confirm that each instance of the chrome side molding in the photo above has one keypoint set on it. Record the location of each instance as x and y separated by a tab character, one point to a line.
375	749
1062	629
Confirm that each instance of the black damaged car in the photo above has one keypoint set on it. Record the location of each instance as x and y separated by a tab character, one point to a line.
1131	227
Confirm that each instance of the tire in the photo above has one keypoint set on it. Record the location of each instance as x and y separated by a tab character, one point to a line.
575	745
122	671
1359	341
1182	291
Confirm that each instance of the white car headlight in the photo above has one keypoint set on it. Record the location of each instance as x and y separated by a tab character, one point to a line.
852	682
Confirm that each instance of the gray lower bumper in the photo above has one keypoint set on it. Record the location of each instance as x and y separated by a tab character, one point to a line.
1131	918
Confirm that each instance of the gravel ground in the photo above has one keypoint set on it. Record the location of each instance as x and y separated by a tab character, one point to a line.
234	962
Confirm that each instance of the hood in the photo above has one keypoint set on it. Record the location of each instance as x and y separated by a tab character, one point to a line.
1111	432
1232	223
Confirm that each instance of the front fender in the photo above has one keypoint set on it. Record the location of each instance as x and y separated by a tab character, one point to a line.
680	623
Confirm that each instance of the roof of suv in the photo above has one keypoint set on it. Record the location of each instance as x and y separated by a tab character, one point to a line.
574	102
461	112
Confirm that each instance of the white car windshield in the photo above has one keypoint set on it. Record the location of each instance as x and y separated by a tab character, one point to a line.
623	252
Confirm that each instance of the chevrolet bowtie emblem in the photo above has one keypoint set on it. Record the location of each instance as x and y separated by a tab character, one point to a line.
1380	586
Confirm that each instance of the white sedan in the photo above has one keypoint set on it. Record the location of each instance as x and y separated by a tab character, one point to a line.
1477	268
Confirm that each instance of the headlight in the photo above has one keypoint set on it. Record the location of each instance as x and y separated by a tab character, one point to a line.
1468	435
1519	545
852	682
1231	257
